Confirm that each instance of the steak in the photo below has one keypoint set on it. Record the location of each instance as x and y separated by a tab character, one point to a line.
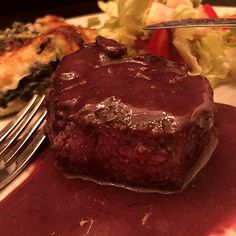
141	121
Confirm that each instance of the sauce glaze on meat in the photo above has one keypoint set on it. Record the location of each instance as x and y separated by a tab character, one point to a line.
142	121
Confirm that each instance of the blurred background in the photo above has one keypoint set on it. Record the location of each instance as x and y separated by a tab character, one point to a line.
28	10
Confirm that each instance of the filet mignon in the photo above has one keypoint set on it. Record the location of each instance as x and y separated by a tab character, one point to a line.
142	120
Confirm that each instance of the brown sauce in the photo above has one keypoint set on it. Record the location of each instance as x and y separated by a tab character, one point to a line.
103	70
49	204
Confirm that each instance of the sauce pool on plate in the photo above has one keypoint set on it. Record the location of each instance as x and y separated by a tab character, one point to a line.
48	203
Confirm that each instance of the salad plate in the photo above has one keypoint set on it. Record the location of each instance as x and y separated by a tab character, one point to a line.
225	94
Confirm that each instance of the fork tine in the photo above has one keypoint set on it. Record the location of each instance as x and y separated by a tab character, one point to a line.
27	134
12	124
21	125
8	174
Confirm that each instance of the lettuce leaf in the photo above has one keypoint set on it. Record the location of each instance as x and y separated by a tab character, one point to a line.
165	13
184	11
205	50
126	20
110	7
127	17
210	52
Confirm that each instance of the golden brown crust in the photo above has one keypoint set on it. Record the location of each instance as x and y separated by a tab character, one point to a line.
56	37
43	49
49	22
48	39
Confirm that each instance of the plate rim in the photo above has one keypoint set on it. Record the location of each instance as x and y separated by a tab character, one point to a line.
81	19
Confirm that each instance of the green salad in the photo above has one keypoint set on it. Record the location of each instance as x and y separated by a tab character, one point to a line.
208	51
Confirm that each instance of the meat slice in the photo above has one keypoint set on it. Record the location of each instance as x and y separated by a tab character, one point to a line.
141	121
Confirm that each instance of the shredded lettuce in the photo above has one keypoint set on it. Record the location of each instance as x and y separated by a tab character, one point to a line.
210	52
165	13
230	38
175	3
230	51
207	54
205	50
184	11
110	7
126	20
230	54
127	17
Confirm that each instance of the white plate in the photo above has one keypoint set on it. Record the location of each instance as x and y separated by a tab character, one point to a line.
223	94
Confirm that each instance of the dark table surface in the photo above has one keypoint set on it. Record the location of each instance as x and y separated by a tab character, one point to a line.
28	10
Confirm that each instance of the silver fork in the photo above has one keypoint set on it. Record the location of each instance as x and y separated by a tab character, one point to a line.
20	138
